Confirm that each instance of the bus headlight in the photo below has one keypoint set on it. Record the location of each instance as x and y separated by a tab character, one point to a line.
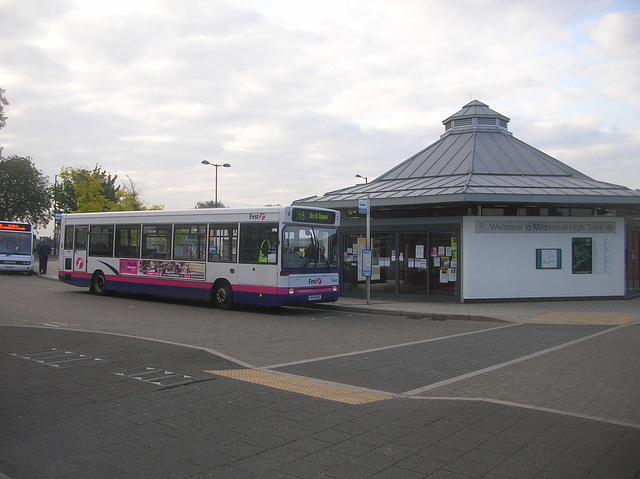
335	288
292	291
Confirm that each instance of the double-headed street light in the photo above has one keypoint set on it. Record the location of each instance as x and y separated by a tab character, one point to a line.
225	165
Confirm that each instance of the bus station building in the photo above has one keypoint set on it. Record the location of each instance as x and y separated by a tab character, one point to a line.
480	215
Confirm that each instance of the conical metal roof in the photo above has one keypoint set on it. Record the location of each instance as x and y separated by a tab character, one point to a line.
478	159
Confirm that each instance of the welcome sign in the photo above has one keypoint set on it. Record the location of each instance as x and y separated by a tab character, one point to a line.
536	227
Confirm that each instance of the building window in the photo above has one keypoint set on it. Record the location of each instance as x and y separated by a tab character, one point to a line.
486	121
492	211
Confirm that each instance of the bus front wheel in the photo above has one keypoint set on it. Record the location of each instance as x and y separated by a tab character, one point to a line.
98	284
223	295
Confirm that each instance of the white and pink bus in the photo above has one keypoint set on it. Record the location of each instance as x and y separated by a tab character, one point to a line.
269	256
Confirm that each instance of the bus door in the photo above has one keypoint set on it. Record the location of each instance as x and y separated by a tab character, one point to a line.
259	253
75	248
80	249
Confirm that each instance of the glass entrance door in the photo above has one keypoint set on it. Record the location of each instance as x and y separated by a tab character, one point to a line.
443	264
429	264
383	264
384	245
422	265
413	261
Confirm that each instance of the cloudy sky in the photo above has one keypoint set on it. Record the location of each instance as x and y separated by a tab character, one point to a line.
299	96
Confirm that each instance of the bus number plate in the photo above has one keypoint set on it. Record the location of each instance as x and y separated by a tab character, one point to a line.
315	297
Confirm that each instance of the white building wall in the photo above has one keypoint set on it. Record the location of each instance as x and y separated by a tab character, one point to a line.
499	257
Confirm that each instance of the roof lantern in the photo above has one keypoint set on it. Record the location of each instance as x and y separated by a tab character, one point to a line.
475	116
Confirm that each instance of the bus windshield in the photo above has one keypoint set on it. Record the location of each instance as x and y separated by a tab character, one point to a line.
309	247
15	243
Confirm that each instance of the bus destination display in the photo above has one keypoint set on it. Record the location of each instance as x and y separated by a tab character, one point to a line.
15	226
302	215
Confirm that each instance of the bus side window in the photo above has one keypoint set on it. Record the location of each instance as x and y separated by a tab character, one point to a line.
101	241
223	243
127	241
156	241
259	243
189	242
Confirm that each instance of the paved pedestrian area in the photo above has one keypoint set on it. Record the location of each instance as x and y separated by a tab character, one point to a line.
578	311
513	400
405	368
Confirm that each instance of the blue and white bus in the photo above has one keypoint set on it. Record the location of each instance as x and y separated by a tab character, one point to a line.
16	247
269	256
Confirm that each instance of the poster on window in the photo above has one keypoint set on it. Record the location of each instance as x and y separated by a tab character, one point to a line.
453	275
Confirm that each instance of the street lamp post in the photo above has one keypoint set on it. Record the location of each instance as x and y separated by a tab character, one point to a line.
366	180
225	165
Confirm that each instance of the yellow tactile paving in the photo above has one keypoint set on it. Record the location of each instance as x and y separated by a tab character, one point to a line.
302	386
580	318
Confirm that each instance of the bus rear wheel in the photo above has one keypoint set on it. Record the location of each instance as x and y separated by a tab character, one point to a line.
99	284
223	295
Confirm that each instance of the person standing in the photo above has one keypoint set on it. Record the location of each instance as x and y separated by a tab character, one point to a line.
44	250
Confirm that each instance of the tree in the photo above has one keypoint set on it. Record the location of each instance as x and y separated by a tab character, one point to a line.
83	191
25	194
210	204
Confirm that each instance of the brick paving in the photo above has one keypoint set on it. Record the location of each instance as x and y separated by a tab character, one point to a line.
403	368
82	420
593	378
461	399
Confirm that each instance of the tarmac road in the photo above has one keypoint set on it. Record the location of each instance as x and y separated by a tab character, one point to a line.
130	386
